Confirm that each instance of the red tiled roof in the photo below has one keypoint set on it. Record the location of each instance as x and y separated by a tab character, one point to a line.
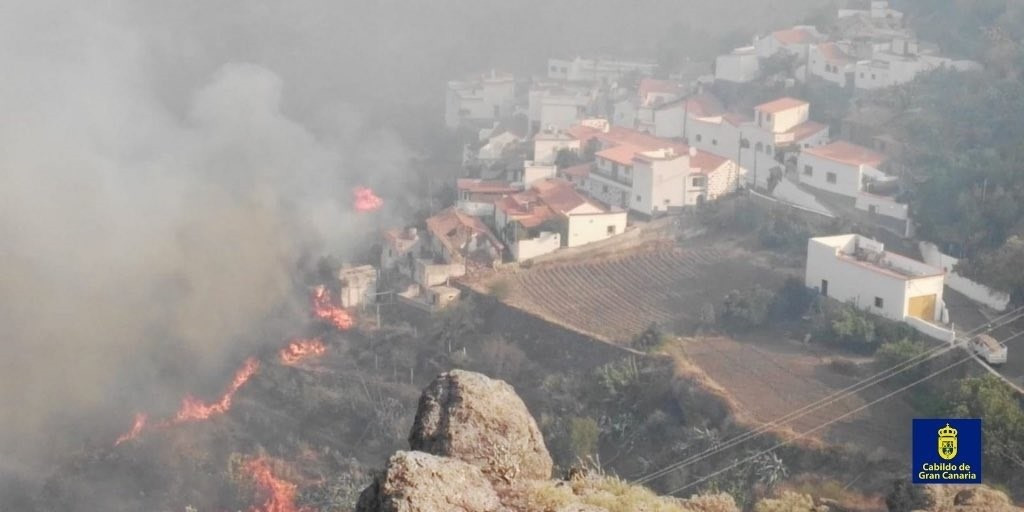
453	228
478	186
622	154
706	162
847	153
806	129
577	171
735	119
653	85
780	104
560	195
832	53
794	36
399	239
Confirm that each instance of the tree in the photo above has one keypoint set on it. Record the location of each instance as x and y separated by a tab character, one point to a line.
456	323
793	299
746	309
1003	426
899	352
650	338
503	359
850	328
1001	268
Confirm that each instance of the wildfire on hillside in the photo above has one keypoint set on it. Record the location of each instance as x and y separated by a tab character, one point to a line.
300	349
279	494
366	200
327	311
193	409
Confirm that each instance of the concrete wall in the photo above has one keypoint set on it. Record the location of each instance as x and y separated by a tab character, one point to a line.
586	228
543	244
848	177
430	274
545	151
883	206
669	121
737	67
608	191
973	290
535	171
559	113
659	185
932	330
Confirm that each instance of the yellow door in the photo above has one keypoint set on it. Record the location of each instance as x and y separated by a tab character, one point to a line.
922	307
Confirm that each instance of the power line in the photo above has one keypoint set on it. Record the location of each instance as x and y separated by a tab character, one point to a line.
830	399
833	420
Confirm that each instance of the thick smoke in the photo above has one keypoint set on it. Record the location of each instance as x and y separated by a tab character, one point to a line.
145	245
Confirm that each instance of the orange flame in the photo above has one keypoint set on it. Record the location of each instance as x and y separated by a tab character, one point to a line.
280	494
366	200
140	423
192	409
301	349
328	312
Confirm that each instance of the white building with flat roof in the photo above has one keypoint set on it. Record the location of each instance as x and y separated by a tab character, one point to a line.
858	270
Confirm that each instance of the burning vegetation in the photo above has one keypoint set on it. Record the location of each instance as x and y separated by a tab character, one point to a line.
301	349
278	494
325	310
366	200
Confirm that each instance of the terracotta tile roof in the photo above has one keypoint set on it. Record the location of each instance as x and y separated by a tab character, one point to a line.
806	129
400	240
479	186
794	36
622	154
780	104
706	162
560	195
577	171
735	119
698	105
832	53
847	153
453	229
653	85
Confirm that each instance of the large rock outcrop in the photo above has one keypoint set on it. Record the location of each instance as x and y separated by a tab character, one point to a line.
421	482
480	449
481	421
969	498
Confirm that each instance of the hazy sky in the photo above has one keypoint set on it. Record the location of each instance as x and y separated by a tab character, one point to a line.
163	165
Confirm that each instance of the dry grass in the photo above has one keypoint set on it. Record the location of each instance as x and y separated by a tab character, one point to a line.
615	495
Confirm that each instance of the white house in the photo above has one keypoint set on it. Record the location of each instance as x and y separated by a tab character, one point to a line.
547	144
551	214
358	285
597	70
840	167
476	196
653	175
741	65
484	98
794	41
555	107
457	237
401	247
900	63
778	125
855	269
878	9
829	62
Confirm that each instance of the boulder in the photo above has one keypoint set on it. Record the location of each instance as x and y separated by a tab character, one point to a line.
421	482
482	421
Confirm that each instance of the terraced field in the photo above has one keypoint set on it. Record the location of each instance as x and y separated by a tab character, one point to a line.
617	297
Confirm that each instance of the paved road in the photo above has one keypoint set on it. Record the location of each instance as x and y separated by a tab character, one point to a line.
967	316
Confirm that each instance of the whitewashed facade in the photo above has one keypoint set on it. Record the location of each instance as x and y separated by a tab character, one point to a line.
858	270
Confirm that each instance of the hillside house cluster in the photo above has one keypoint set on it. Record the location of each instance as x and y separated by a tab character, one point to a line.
868	48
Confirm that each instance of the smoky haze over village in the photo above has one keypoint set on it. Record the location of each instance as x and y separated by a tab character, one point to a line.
679	255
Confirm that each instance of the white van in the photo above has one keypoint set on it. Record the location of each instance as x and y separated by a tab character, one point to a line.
988	348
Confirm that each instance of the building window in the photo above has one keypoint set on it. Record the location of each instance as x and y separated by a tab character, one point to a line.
698	181
604	188
862	74
714	142
879	302
768	118
872	76
824	287
638	199
611	230
615	167
698	137
830	177
808	170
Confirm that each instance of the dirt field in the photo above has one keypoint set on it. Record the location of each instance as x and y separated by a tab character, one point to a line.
615	297
770	376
